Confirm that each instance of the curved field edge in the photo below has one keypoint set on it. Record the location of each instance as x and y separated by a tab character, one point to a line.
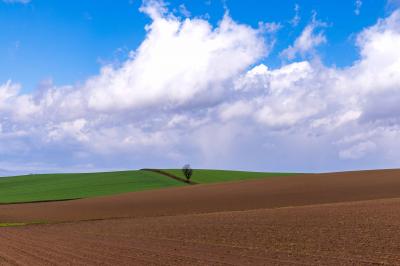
308	189
317	235
54	187
206	176
59	187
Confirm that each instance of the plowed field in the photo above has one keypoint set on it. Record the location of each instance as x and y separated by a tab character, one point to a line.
330	219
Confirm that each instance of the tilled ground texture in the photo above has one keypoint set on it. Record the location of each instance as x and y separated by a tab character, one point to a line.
229	196
353	233
322	219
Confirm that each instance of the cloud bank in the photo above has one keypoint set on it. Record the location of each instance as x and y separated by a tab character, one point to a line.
196	93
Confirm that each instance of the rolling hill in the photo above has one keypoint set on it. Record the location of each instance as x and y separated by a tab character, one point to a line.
49	187
205	176
46	187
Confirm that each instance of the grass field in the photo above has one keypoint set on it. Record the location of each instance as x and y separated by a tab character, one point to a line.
44	187
48	187
205	176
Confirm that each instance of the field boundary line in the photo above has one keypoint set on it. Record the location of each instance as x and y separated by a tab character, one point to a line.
36	201
169	175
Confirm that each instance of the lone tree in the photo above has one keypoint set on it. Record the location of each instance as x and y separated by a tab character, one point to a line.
187	171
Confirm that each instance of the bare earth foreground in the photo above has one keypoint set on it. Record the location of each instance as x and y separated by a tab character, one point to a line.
339	218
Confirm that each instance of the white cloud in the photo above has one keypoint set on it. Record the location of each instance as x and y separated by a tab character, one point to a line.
195	92
159	72
14	105
236	110
357	151
181	65
270	27
184	11
306	97
296	19
74	129
307	41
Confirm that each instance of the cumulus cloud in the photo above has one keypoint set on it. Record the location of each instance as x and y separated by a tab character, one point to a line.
182	64
196	92
307	97
357	151
311	37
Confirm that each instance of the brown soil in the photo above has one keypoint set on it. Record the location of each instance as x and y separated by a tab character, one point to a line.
234	196
242	223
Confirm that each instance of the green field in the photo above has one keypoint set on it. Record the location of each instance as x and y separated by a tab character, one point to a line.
30	188
205	176
47	187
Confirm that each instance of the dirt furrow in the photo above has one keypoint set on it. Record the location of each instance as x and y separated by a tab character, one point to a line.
28	255
231	196
66	247
244	223
6	259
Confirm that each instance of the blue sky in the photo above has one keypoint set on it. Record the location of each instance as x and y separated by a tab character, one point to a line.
262	85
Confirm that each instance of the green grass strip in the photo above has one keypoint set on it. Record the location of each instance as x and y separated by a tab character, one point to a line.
205	176
50	187
12	224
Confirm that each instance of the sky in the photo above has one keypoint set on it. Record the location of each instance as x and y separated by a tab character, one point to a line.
306	85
